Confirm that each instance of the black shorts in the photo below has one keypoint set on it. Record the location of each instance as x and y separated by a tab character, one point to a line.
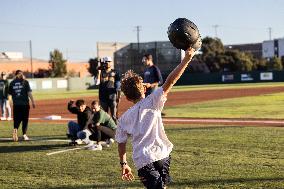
156	175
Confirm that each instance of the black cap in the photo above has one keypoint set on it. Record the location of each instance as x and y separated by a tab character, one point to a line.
18	72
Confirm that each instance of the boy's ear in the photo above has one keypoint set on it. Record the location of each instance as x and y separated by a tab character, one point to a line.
145	88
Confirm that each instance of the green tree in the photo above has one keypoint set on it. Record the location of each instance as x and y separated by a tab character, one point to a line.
212	49
57	64
260	64
275	64
282	61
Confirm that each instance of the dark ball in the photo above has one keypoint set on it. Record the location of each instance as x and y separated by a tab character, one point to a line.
183	34
197	44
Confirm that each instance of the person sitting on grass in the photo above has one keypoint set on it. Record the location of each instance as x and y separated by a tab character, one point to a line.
84	118
102	128
143	122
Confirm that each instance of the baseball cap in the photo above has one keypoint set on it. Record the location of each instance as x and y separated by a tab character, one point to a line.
18	72
107	59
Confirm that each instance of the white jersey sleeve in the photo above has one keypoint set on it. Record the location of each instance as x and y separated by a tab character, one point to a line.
158	99
120	135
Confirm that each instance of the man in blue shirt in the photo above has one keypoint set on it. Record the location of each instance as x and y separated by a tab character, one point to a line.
152	77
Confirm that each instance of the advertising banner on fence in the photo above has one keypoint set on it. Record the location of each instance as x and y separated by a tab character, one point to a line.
266	76
229	77
246	77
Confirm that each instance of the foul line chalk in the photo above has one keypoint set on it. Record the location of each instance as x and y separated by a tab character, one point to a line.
62	151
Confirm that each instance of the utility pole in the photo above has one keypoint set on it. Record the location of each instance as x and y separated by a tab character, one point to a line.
215	29
31	57
269	33
138	29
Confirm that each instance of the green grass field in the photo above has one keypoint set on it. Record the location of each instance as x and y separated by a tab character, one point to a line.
43	95
203	157
262	106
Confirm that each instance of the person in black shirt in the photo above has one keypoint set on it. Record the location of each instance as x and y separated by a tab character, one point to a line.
21	93
84	118
109	88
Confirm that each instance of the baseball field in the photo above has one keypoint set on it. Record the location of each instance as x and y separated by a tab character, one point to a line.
224	136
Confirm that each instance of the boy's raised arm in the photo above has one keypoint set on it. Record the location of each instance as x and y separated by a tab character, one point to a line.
178	71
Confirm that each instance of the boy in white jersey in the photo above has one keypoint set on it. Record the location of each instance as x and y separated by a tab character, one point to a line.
143	122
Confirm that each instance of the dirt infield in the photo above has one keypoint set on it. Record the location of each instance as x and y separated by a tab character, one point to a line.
46	108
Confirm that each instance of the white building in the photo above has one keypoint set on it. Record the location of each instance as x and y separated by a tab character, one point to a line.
273	48
11	55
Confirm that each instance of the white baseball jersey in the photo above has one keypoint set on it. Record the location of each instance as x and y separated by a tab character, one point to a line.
143	122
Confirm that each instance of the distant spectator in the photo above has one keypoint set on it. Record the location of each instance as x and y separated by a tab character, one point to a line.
4	101
109	87
21	93
152	76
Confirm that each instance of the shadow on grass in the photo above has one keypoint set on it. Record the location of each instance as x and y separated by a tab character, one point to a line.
116	186
201	128
22	148
200	183
35	138
224	181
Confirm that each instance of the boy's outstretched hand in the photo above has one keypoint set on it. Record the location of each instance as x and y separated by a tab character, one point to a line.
189	53
126	173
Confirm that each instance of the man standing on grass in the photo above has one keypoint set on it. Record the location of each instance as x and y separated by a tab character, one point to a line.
152	76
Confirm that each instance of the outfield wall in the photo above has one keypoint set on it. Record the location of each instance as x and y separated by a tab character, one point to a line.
225	78
76	83
64	84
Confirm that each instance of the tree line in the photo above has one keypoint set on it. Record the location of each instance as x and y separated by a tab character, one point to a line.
219	59
212	53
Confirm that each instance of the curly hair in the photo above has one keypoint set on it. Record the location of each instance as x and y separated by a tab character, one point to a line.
132	85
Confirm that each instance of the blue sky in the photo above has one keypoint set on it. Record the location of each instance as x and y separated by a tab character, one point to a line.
75	26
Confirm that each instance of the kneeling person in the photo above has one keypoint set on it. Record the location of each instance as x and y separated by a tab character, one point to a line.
84	118
101	129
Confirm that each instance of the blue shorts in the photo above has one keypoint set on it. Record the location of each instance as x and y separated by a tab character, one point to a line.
156	175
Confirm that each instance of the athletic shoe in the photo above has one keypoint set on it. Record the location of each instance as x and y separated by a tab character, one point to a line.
95	147
3	119
108	142
9	118
26	138
79	141
15	135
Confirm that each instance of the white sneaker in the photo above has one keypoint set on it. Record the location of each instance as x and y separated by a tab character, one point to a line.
3	119
111	141
95	147
108	143
25	137
9	119
79	141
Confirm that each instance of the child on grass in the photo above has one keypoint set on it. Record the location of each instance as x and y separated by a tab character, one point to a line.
143	122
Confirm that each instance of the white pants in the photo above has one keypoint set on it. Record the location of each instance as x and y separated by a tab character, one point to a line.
5	105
